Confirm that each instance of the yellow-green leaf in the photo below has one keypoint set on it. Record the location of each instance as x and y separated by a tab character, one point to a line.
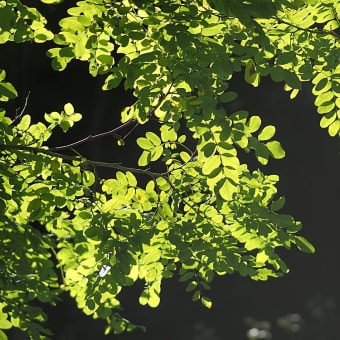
211	164
267	133
206	302
276	149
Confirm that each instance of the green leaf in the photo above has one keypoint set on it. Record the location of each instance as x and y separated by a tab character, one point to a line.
186	276
304	245
112	81
157	152
328	119
154	300
185	156
25	122
73	275
3	336
326	107
144	159
277	74
211	164
276	149
213	30
278	204
50	2
6	17
152	256
226	190
334	128
7	91
144	298
42	34
191	286
162	225
253	124
322	86
292	80
132	181
267	133
324	98
286	58
209	149
153	138
243	269
261	151
68	108
145	143
2	74
92	233
251	76
34	205
196	296
5	324
228	97
206	302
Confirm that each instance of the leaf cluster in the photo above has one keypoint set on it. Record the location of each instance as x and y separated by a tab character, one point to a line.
206	214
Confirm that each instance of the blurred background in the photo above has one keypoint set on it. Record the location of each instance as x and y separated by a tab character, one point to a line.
303	305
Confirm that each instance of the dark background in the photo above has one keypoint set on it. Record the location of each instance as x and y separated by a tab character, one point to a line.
302	305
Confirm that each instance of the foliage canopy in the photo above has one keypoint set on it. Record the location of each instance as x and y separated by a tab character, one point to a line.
201	212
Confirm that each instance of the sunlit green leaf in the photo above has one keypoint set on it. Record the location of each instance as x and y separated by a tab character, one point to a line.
157	152
334	128
304	245
211	164
68	108
154	300
254	124
276	149
5	324
24	123
55	2
3	336
206	302
267	133
144	158
145	143
7	91
226	190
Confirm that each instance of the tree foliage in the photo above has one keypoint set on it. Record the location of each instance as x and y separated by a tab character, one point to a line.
201	212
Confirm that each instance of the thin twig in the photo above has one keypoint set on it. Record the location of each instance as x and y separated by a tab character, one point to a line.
131	130
92	137
18	116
